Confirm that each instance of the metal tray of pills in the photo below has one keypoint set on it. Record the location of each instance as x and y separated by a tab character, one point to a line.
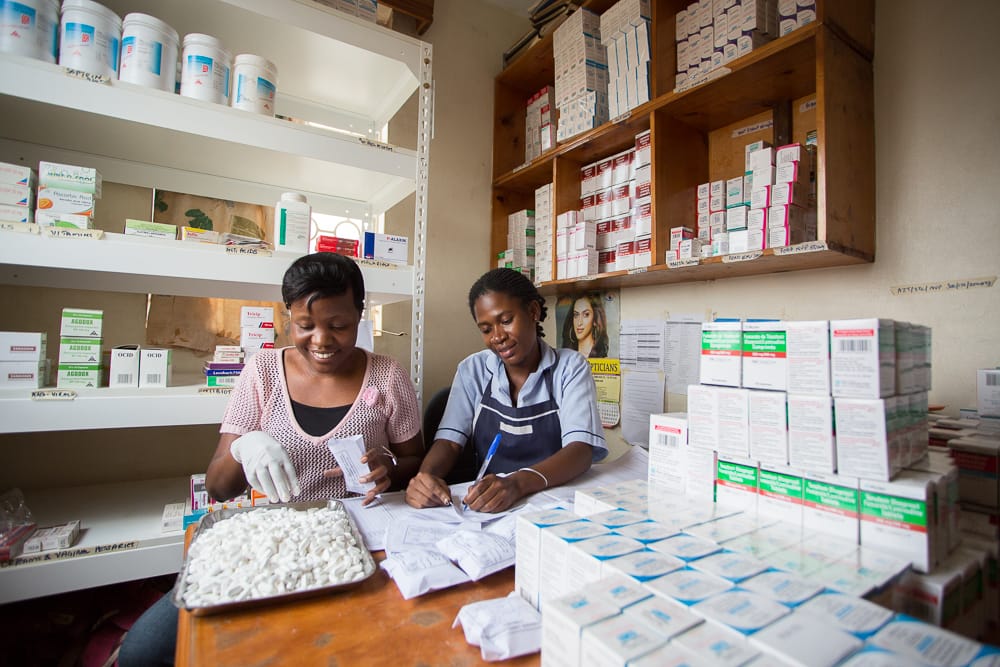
210	520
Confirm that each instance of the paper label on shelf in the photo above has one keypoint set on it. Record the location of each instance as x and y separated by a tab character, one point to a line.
641	269
215	390
681	263
799	248
377	144
520	167
376	263
20	227
72	552
66	233
621	118
86	76
243	250
53	395
741	256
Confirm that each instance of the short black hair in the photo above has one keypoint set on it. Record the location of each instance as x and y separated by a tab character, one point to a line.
512	283
320	275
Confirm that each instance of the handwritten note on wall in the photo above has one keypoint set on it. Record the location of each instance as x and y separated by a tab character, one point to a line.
955	285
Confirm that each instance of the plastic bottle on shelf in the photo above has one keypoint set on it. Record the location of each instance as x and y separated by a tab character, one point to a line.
292	223
149	52
90	35
205	69
29	28
255	84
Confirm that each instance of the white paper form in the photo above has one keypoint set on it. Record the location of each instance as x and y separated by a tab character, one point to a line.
348	452
633	464
642	395
682	352
641	345
402	536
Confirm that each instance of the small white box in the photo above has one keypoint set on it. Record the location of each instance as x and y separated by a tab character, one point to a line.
81	323
862	358
811	440
616	641
386	247
259	317
717	643
831	504
895	517
124	366
253	339
29	374
721	353
554	546
768	427
78	376
687	587
80	351
863	441
155	367
563	622
585	559
802	640
70	177
736	483
23	346
988	392
667	447
807	347
734	421
779	491
528	531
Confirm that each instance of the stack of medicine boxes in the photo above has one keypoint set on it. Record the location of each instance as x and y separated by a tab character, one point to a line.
520	252
22	359
625	35
225	367
766	404
256	328
17	193
581	74
544	249
540	123
80	346
67	195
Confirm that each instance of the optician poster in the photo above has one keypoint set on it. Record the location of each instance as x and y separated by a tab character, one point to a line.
589	322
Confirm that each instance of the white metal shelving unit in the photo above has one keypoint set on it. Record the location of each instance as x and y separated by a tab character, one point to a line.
346	78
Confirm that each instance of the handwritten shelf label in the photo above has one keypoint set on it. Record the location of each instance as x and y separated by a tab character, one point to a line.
67	233
741	256
378	264
20	227
956	285
210	391
635	272
800	248
621	118
376	144
53	395
86	76
682	263
243	250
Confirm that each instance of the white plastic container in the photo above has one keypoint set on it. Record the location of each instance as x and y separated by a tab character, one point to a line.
30	28
205	69
255	82
149	52
90	37
292	223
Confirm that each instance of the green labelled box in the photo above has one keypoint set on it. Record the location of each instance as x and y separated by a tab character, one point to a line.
85	351
736	483
896	517
721	353
779	493
81	323
156	230
830	504
74	376
221	380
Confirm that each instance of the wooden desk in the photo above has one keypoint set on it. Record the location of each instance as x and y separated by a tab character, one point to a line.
368	625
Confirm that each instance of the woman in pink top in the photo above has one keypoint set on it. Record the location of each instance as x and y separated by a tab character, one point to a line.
289	403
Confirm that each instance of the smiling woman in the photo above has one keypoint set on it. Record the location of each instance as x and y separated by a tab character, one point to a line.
542	403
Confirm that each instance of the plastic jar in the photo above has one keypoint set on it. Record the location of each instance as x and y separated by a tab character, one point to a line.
89	38
205	69
149	52
255	82
292	223
30	28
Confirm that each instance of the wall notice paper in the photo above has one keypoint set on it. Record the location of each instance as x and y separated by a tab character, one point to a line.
607	377
642	395
502	628
348	453
641	345
682	353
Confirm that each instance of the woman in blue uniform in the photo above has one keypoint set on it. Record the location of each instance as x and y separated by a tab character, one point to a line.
542	402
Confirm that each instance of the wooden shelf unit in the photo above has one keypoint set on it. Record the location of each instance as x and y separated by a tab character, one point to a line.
819	77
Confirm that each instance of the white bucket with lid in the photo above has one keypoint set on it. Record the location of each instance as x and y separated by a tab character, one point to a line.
206	68
149	52
255	83
30	28
90	35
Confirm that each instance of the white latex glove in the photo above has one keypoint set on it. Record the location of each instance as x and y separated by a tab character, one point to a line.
266	465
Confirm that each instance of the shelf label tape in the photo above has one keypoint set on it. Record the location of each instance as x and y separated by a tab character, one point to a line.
67	233
741	256
244	250
53	394
20	227
641	269
389	148
799	248
210	391
86	76
682	263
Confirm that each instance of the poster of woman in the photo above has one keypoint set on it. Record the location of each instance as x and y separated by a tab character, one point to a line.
588	322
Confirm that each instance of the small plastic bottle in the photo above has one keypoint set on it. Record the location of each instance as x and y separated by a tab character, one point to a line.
292	223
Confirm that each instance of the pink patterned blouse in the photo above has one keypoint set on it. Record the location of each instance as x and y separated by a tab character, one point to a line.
384	412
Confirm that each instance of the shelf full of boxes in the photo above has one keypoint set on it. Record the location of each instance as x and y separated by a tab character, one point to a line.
319	136
802	83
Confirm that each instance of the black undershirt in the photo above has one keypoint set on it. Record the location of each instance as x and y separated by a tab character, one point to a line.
318	421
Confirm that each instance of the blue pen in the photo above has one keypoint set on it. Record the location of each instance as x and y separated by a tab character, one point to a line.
486	464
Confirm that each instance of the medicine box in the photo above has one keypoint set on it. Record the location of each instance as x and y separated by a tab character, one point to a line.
124	366
734	422
81	323
83	376
716	643
80	350
988	392
667	448
70	177
253	339
807	353
811	440
863	444
153	230
830	505
703	417
617	641
555	543
17	174
22	345
155	367
21	214
896	517
31	374
768	427
585	559
977	458
736	483
764	355
15	195
527	565
257	317
665	616
65	220
721	349
54	537
779	493
386	247
862	358
58	200
563	622
801	639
